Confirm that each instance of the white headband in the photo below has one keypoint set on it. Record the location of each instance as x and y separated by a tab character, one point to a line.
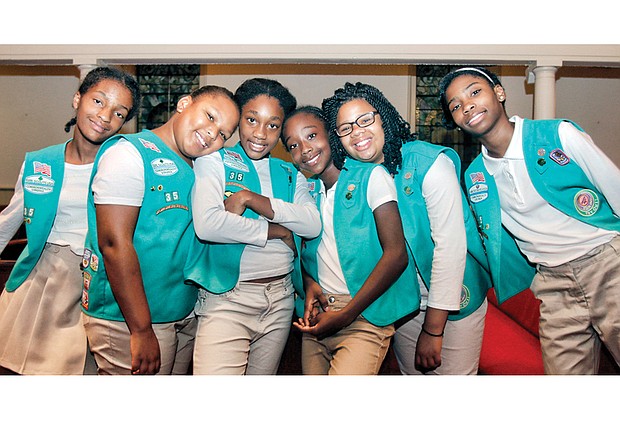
476	70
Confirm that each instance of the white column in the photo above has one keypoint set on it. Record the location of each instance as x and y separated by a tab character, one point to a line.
544	91
84	69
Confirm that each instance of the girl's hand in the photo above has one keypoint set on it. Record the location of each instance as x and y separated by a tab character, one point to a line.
236	203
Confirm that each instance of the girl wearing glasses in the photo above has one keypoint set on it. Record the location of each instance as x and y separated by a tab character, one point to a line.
445	337
357	266
559	199
251	209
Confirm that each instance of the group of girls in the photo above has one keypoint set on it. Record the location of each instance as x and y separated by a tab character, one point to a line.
177	254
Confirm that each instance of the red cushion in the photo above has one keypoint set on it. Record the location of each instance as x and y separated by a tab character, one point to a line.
524	308
508	348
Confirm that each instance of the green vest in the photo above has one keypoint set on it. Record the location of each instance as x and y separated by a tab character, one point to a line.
163	235
42	181
418	157
557	179
359	248
216	265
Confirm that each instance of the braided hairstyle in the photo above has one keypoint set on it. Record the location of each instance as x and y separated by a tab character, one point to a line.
397	130
479	72
252	88
104	73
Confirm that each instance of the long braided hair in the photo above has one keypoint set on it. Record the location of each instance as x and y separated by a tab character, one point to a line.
103	73
397	130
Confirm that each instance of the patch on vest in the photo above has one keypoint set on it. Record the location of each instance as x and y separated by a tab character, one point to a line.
586	202
559	157
465	297
164	167
39	184
478	197
149	145
478	188
42	168
234	160
477	177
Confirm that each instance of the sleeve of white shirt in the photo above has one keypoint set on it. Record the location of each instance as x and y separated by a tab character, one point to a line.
119	179
12	217
599	168
211	220
381	188
442	193
302	216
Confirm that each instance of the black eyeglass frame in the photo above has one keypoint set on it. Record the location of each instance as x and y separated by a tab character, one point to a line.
356	122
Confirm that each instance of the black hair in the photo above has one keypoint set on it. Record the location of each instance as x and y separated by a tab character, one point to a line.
397	130
103	73
308	109
252	88
479	72
213	90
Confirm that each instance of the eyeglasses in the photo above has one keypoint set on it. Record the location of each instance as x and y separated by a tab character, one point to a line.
362	121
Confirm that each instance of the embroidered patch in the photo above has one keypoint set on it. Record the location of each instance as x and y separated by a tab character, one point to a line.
559	157
586	202
465	297
38	184
480	187
149	145
94	262
164	167
86	258
234	160
85	299
477	177
478	197
172	207
171	196
42	168
87	279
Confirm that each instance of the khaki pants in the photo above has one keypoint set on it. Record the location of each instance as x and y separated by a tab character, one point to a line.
358	349
580	308
110	344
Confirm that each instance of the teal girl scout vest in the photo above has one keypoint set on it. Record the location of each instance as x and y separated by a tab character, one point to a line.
42	180
162	239
217	264
418	157
557	178
359	248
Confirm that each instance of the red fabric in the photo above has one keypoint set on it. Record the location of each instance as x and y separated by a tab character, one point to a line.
508	348
524	308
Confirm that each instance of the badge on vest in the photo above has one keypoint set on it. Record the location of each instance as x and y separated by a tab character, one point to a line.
477	177
39	184
586	202
350	190
559	157
164	167
235	160
149	145
28	214
465	297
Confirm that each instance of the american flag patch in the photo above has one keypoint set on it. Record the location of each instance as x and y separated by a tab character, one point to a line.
149	145
42	168
477	177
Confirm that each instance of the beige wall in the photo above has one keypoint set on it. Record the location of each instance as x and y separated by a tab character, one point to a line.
35	101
